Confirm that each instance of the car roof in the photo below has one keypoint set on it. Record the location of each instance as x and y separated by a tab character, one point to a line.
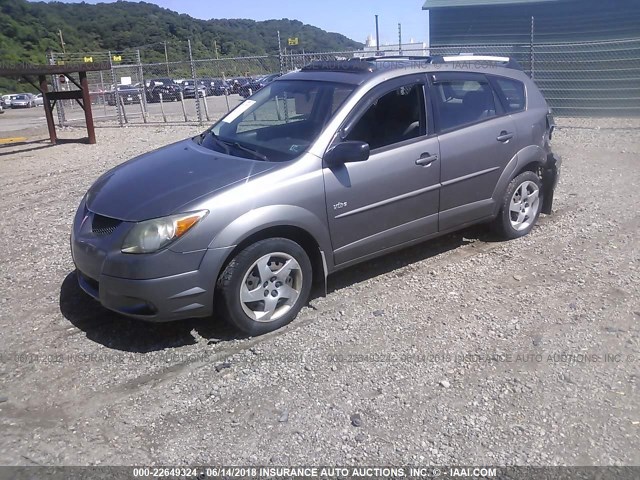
360	71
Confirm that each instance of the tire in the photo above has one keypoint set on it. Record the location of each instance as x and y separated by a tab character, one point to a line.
521	206
257	311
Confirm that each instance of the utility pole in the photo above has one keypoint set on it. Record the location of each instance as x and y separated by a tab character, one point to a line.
377	37
400	38
62	41
215	47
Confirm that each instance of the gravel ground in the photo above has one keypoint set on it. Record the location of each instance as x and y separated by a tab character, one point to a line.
464	350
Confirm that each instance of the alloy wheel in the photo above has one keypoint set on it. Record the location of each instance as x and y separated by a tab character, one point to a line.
524	205
271	287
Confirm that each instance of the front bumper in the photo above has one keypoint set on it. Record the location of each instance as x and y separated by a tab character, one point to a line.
159	287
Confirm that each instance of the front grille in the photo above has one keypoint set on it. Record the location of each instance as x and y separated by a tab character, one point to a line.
103	226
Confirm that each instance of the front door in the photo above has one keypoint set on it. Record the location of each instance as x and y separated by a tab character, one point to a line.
392	197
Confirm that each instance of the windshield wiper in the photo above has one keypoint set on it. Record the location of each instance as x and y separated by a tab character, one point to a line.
256	154
222	143
226	144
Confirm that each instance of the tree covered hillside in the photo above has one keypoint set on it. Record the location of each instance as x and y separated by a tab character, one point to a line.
28	30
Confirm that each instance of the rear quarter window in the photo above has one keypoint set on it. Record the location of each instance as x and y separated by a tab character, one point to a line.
512	94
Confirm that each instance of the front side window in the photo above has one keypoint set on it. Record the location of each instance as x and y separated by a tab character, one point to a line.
395	117
280	121
462	102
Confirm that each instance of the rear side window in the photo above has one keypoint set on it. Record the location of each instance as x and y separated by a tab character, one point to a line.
512	94
462	102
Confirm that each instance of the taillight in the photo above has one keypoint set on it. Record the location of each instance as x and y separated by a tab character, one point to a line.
551	124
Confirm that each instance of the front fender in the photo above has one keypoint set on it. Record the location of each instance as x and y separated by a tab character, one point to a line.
265	217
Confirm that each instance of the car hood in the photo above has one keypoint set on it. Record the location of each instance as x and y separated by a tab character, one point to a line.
159	183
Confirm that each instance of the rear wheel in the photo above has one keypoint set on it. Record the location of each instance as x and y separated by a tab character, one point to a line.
264	287
521	206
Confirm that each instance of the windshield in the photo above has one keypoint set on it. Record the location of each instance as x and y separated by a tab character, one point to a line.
279	122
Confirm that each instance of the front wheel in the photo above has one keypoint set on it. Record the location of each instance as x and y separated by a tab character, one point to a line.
264	287
521	206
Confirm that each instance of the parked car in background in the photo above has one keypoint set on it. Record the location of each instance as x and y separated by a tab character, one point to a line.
253	86
189	90
214	86
324	168
166	87
39	101
128	93
236	83
6	100
220	87
23	100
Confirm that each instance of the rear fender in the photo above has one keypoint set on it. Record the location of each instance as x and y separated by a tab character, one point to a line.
532	154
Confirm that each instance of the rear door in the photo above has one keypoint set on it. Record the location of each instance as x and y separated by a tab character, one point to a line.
391	198
477	140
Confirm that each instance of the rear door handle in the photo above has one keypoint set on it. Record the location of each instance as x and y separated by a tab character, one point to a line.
504	136
426	159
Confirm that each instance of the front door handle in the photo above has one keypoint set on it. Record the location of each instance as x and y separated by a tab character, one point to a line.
504	136
426	159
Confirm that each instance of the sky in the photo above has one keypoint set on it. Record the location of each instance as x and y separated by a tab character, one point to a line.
355	19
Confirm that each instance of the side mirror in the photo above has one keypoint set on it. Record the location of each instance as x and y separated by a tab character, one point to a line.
347	152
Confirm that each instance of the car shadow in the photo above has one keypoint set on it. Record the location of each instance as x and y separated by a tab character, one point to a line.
118	332
402	258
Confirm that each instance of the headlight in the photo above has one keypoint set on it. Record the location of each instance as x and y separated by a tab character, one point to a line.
152	235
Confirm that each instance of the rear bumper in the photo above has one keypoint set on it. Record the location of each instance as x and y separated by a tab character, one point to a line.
550	179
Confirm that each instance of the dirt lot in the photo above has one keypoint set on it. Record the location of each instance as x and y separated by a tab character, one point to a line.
459	351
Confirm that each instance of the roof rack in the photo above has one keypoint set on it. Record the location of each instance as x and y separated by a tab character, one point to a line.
506	62
347	66
371	64
426	58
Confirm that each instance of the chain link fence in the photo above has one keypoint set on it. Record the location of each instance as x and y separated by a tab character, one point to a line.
578	79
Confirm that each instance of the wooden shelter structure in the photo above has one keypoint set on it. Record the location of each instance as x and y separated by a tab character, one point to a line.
29	72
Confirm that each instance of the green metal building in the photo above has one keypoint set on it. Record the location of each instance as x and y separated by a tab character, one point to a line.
584	54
